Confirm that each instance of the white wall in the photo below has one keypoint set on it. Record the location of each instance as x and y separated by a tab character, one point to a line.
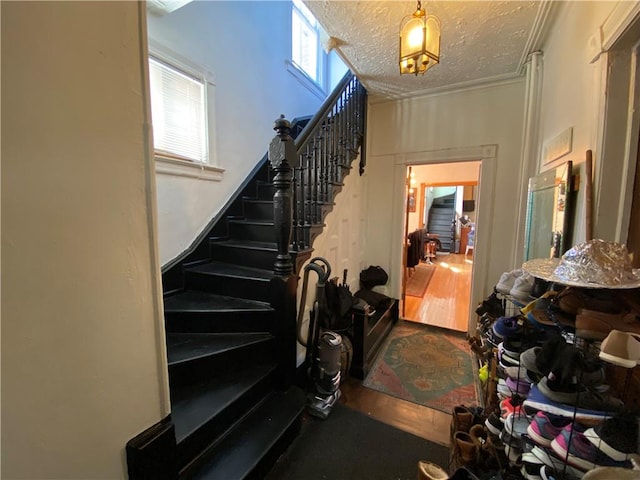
572	96
475	117
341	242
82	365
245	46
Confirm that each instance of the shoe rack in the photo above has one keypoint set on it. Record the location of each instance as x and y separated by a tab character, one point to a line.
624	383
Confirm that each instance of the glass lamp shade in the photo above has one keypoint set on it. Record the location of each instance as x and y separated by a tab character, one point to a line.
419	42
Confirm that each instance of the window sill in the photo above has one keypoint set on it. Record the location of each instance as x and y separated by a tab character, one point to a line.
184	168
305	80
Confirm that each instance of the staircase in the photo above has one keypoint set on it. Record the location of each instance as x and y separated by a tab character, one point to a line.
441	215
230	308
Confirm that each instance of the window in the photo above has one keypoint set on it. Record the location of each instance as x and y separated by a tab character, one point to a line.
306	53
178	106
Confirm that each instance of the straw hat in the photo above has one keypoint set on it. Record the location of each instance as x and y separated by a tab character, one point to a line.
593	264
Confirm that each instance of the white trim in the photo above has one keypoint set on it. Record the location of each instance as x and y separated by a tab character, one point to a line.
305	80
155	275
616	147
199	71
185	168
540	24
487	155
617	22
483	83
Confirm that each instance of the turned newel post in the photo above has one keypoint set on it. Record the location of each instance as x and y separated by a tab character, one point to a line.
282	153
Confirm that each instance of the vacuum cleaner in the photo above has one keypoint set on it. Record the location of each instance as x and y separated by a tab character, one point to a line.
324	347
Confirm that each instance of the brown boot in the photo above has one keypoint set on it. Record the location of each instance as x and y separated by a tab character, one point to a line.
461	420
466	449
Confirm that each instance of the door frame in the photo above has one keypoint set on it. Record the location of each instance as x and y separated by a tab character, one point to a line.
487	155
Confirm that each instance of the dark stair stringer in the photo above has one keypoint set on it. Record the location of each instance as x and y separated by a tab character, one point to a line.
441	215
231	350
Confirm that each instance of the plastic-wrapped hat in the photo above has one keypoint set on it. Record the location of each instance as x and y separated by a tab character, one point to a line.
593	264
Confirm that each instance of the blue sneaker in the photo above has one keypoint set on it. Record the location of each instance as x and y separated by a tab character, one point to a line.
507	327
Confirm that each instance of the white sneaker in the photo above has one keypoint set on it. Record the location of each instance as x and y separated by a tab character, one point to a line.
507	279
522	288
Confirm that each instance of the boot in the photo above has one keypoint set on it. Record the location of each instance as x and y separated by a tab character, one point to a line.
461	420
431	471
464	451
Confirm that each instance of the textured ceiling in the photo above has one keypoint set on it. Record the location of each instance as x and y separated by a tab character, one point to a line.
481	41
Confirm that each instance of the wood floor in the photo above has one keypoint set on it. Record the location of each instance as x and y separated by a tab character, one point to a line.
446	301
445	304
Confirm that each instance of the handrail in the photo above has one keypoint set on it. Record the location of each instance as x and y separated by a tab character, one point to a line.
324	151
324	109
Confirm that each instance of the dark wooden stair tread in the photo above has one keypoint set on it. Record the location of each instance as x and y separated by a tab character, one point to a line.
248	244
194	405
182	347
197	301
239	453
228	269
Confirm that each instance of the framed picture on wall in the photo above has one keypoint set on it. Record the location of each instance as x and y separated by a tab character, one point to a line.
411	201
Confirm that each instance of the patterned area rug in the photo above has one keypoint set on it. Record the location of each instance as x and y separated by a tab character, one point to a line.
419	280
427	366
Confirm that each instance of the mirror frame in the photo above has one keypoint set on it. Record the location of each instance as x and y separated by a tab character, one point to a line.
557	182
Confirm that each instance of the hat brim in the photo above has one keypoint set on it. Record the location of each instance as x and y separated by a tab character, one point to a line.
544	268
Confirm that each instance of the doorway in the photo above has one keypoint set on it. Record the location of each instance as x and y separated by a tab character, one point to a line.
438	286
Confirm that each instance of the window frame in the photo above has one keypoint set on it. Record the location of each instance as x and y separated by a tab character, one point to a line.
174	165
319	86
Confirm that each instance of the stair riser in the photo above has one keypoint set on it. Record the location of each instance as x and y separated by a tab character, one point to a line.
250	231
258	210
202	442
251	288
193	371
268	461
265	191
238	321
249	257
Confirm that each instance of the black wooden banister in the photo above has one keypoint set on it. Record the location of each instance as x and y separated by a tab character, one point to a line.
310	170
324	109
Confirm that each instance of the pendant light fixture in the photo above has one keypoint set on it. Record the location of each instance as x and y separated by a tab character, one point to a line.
419	42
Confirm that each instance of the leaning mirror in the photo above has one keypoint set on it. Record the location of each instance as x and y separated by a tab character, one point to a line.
547	222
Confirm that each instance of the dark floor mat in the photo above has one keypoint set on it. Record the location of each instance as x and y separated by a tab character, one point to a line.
351	445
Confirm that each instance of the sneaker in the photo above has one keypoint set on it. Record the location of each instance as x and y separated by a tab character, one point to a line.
554	464
516	424
511	446
494	424
493	339
531	466
572	445
537	401
522	288
565	360
491	306
507	327
617	436
579	396
518	373
518	387
506	281
621	348
513	405
545	427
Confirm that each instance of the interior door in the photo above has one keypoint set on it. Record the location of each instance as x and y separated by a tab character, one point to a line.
405	244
